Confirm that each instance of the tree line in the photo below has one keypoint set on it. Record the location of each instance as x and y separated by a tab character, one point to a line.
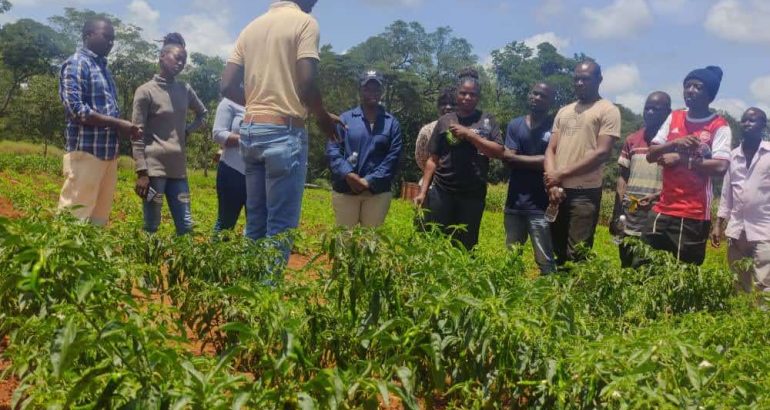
417	66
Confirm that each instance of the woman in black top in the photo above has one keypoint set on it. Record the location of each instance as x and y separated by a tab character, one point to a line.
455	179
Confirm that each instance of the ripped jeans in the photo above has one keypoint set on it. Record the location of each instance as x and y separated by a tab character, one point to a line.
177	194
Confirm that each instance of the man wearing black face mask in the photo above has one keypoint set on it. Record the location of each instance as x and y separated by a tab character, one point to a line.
692	146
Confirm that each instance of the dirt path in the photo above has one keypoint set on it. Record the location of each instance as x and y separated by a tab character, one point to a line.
7	386
7	210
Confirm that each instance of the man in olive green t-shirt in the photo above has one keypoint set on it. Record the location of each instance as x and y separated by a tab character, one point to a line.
276	62
584	133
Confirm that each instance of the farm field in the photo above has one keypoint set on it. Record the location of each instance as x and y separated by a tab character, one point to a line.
113	318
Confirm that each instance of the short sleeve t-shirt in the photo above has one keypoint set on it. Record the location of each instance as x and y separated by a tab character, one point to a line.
268	50
526	189
461	168
687	193
644	179
578	127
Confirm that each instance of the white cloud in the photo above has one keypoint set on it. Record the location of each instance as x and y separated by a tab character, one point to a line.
760	90
207	34
733	106
620	19
742	21
631	100
621	78
6	18
141	14
560	43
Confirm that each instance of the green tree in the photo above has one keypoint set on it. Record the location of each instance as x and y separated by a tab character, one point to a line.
416	65
36	113
203	74
5	5
27	48
517	67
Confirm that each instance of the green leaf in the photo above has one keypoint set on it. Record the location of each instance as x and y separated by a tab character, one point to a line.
63	352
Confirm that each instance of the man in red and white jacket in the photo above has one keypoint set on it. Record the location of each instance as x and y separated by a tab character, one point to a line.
692	146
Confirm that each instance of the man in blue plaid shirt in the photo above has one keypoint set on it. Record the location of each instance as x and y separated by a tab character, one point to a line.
88	93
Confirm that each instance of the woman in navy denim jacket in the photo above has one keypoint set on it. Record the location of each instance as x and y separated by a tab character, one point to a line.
365	160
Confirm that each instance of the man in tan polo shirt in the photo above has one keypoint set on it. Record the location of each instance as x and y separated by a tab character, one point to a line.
584	133
276	62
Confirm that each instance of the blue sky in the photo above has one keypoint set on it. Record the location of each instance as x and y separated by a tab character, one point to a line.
643	45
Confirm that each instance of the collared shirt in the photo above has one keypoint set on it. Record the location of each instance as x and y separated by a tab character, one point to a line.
378	146
644	179
227	121
86	86
746	195
268	50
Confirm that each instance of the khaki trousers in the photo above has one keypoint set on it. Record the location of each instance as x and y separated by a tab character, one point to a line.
89	185
756	273
366	209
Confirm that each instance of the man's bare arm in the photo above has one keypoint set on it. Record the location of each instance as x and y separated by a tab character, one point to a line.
231	85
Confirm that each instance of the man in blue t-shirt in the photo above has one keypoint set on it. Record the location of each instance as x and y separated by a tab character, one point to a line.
526	140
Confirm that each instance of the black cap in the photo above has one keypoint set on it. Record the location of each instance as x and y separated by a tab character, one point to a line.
370	75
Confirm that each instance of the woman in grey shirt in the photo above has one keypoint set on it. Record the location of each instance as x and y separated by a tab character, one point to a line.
160	108
231	179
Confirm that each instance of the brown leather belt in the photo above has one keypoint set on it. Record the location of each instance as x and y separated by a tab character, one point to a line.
273	119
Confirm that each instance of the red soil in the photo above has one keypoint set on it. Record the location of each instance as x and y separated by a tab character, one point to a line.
7	386
7	210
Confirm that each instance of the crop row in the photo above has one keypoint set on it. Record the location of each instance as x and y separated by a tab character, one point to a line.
107	319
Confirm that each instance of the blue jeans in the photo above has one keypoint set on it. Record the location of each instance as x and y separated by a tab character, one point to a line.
276	166
231	196
518	226
177	194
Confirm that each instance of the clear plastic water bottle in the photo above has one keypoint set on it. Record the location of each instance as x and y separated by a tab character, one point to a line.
552	212
618	239
487	128
353	159
553	209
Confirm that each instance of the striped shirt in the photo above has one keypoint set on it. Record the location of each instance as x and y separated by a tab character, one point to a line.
644	179
86	86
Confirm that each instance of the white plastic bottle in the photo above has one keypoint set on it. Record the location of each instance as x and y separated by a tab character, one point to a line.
618	239
353	159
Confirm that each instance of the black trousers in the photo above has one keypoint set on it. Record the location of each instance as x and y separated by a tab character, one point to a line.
685	238
458	216
575	225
